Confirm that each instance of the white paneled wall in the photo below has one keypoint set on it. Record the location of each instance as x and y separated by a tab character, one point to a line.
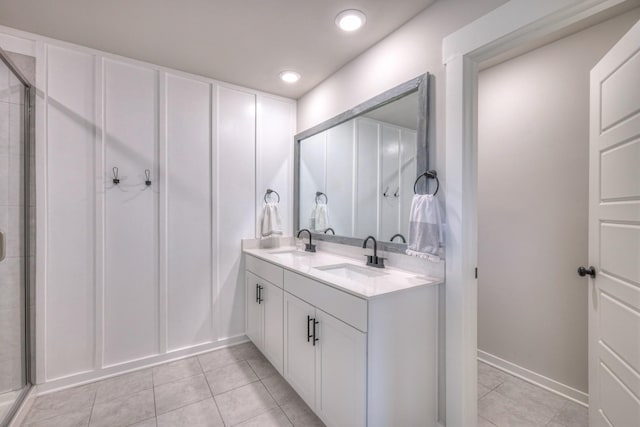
188	206
367	183
274	165
236	165
340	153
356	164
131	310
70	235
135	274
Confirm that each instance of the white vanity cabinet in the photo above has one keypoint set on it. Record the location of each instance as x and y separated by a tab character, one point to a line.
355	360
325	362
264	311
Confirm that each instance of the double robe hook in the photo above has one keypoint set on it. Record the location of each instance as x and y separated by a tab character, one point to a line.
147	176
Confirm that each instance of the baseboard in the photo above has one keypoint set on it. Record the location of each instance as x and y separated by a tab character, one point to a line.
535	378
23	410
135	365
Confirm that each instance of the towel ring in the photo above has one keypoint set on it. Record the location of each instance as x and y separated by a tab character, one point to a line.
268	193
427	174
320	194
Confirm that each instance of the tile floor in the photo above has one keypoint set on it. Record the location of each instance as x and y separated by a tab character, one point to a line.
507	401
235	386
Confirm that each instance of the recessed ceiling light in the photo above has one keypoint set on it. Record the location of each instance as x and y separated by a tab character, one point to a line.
350	20
289	76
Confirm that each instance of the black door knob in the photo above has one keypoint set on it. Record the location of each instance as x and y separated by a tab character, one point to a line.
591	271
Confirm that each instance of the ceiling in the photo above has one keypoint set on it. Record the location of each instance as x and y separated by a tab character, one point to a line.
247	42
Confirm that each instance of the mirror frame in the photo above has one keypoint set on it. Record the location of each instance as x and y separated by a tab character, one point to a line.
419	84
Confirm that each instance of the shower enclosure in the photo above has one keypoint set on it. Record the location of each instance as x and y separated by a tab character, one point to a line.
15	250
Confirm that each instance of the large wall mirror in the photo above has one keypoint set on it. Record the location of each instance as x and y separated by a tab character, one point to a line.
355	173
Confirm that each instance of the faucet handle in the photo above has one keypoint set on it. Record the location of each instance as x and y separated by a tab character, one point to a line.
309	247
375	261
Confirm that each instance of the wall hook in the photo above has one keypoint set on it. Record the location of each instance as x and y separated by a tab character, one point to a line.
147	176
116	180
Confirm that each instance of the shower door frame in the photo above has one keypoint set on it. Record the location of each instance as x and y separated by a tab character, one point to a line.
28	110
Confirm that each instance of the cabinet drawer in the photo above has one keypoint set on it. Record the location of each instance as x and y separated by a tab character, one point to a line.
266	270
346	307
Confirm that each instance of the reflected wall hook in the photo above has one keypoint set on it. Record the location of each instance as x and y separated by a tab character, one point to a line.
397	193
147	176
116	180
386	191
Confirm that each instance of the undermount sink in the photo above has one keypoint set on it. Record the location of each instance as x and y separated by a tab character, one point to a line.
350	271
290	253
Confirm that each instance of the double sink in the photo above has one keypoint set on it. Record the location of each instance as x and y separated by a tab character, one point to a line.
343	270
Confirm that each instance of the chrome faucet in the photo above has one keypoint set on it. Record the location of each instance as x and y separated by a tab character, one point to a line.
373	260
308	247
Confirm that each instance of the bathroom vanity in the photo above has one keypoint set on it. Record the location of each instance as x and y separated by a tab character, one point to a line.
358	344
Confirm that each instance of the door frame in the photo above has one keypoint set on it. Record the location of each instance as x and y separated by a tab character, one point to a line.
513	28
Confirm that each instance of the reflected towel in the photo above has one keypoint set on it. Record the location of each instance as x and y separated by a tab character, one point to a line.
320	217
271	223
425	228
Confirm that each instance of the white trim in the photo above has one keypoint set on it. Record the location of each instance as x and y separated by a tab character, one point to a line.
25	40
535	378
21	45
136	365
513	24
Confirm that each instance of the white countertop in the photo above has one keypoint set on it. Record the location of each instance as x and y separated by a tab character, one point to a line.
391	279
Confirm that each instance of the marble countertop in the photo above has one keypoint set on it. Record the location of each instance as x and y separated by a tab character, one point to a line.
383	280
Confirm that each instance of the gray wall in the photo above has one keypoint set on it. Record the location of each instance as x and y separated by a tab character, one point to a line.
532	212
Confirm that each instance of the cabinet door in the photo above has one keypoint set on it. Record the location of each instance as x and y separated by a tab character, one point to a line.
299	352
254	310
272	344
340	372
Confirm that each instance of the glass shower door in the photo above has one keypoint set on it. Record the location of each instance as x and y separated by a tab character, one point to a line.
14	158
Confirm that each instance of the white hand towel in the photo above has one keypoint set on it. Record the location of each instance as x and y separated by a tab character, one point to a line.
271	223
426	233
320	217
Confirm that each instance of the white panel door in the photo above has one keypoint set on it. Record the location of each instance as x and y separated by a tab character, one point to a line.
299	351
70	294
390	204
341	366
255	310
273	338
276	128
367	194
236	166
188	212
614	236
131	325
340	146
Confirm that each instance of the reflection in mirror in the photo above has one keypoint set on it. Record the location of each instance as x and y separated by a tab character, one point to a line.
356	177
